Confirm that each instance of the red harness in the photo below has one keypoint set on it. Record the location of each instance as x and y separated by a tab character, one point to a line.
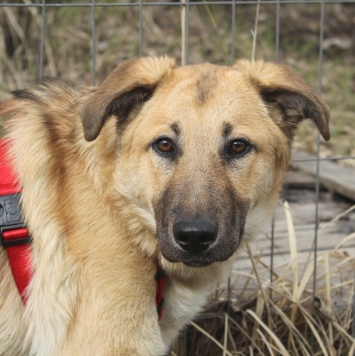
15	238
13	234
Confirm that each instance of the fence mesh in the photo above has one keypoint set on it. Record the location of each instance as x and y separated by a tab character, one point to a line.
81	41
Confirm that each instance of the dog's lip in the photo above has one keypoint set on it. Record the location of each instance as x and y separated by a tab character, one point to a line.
191	262
194	261
197	263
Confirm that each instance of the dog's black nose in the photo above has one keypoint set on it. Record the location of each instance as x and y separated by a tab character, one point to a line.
195	236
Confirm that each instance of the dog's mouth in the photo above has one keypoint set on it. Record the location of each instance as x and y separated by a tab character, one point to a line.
214	254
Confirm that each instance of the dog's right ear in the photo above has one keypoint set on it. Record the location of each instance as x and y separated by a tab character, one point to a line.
131	83
281	87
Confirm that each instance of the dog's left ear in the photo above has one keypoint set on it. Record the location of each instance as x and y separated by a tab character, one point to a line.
278	84
131	83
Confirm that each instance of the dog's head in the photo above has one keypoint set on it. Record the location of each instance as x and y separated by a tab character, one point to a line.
202	148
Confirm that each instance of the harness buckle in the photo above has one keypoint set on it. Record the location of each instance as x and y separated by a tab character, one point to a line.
16	241
10	219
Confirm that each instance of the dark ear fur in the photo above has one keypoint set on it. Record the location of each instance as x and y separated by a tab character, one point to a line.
121	106
131	83
296	107
279	85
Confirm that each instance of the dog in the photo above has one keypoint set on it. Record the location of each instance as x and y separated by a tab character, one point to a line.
159	165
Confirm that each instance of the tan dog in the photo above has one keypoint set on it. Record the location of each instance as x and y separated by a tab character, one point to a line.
158	164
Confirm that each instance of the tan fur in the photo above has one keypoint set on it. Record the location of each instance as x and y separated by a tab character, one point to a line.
97	197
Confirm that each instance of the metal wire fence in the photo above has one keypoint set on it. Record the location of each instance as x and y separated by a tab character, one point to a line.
185	10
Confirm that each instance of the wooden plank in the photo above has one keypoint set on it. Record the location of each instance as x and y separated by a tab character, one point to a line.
327	240
304	213
332	175
282	263
244	279
299	179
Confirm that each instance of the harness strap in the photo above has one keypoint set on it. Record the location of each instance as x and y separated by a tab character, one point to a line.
13	235
160	279
20	260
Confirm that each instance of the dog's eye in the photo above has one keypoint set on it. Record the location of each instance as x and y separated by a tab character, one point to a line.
164	146
237	148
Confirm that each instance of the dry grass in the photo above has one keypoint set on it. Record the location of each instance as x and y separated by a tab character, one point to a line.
285	317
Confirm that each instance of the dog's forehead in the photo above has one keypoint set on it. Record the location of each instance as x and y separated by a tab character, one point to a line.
206	85
208	94
200	73
204	78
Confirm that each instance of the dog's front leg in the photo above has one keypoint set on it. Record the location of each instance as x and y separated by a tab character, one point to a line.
117	314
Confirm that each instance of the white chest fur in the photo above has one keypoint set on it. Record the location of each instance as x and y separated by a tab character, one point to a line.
181	304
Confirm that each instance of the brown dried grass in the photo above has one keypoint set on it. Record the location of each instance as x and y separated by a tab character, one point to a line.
284	317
